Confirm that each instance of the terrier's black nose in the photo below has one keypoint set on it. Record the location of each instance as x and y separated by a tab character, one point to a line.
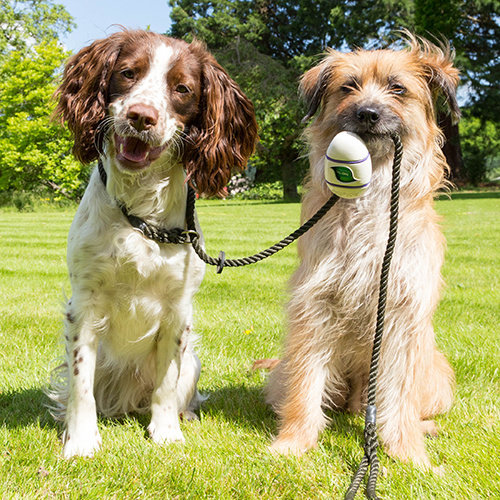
368	115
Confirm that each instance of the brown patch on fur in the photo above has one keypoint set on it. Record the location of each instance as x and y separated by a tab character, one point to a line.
265	364
218	119
223	135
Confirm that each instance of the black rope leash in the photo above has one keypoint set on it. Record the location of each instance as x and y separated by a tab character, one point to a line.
370	458
221	262
191	235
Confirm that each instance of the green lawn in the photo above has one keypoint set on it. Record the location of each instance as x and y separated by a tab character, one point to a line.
239	315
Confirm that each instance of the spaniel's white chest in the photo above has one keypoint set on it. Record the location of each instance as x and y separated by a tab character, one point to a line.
134	285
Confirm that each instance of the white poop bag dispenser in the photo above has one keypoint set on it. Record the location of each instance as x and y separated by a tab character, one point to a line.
348	166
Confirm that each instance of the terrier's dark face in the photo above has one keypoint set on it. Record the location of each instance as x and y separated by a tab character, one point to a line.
378	93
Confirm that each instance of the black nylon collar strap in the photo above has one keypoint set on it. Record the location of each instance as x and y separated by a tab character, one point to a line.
175	235
102	173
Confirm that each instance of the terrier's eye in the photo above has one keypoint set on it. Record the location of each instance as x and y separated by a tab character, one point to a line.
397	89
182	89
349	86
128	74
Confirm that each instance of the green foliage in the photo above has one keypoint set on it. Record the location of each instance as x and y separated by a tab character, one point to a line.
34	149
272	87
476	40
437	19
368	23
23	201
217	23
262	191
281	29
473	29
481	148
31	21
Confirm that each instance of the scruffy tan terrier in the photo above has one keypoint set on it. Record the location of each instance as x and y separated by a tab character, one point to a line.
334	292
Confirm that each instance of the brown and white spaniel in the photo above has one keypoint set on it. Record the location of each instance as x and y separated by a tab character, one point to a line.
158	113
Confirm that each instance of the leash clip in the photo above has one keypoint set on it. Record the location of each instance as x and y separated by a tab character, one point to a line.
191	233
371	414
221	262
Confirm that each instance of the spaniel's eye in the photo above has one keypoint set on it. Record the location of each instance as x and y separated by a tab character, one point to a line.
128	74
182	89
397	89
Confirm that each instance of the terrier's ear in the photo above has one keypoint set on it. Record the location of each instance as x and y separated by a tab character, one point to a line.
313	85
443	79
442	76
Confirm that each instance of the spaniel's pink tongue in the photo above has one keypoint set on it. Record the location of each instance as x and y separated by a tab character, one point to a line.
132	149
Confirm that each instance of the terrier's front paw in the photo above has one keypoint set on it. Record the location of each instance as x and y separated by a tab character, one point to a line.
284	446
429	428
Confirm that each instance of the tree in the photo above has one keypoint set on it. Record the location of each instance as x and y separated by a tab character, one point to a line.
272	87
440	21
472	28
294	33
481	146
477	41
255	42
31	21
34	150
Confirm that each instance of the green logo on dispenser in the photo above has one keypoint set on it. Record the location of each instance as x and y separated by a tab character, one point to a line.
344	174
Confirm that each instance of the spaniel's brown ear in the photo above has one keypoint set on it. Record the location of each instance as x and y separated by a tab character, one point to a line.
82	95
314	83
223	136
441	75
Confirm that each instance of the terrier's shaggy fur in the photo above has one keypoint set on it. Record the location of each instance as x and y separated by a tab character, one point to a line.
332	310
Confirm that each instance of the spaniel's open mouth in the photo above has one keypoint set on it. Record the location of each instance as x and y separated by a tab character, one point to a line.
133	153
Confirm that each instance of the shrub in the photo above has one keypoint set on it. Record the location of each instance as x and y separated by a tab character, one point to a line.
480	148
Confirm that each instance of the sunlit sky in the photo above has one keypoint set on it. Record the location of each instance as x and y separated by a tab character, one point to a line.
95	18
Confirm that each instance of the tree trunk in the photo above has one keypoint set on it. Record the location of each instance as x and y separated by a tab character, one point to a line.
289	178
289	173
452	149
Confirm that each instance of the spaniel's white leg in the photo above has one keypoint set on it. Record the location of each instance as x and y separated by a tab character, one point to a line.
81	436
164	426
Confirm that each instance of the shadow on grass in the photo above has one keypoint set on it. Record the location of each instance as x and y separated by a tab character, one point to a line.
246	407
24	407
239	404
242	405
482	195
